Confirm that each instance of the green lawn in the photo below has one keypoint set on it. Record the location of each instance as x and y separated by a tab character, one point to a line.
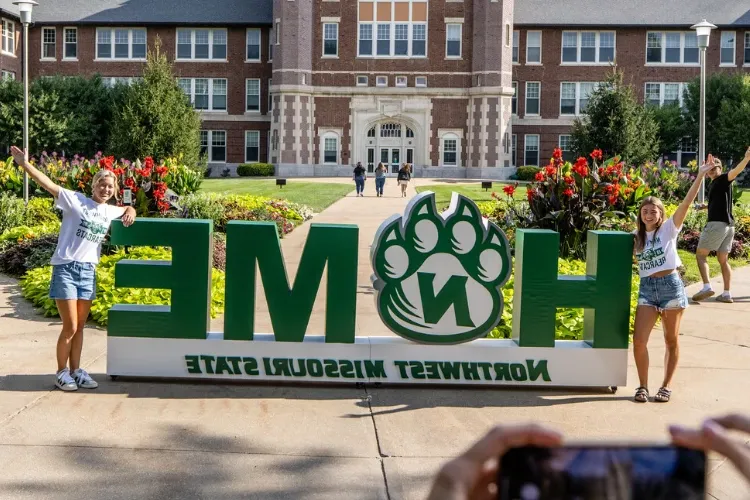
474	191
691	266
316	195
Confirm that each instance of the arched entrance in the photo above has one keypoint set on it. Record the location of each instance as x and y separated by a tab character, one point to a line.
391	143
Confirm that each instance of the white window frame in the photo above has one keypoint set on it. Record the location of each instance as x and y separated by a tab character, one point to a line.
329	134
662	92
515	55
248	133
210	94
66	29
381	81
450	134
324	40
8	37
560	144
247	94
402	81
460	40
664	50
112	43
417	80
44	31
7	75
746	52
534	63
270	97
514	99
597	47
733	34
526	100
111	81
392	34
526	148
210	146
270	44
514	150
362	81
211	32
578	97
260	45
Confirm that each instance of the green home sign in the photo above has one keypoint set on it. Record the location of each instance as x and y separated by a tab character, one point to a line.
437	279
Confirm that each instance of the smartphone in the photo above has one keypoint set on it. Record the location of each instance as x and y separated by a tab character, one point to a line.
587	472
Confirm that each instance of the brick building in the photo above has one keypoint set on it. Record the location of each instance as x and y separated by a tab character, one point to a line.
315	86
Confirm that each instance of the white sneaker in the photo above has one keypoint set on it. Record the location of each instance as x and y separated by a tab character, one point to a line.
83	379
65	382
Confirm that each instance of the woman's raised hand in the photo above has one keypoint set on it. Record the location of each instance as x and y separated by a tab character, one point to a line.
18	155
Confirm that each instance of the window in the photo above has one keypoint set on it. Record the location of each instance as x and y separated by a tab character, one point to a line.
453	40
371	132
534	47
747	48
365	40
120	43
203	44
71	43
252	146
564	144
7	75
671	48
331	39
8	29
449	150
514	99
362	81
531	150
401	43
214	145
206	94
588	47
330	149
270	96
532	97
270	45
384	39
574	97
252	41
419	40
516	37
390	130
664	94
401	81
409	134
49	43
728	46
513	150
111	81
252	94
420	81
381	81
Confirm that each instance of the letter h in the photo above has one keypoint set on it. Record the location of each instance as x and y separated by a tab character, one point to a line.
603	292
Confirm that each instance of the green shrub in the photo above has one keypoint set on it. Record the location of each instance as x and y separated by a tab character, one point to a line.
202	206
41	211
35	287
20	233
12	211
181	179
255	170
526	173
28	254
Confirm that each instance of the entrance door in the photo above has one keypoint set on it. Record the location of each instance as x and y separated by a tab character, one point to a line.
370	160
391	158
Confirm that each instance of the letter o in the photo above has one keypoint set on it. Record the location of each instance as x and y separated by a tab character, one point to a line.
314	368
518	372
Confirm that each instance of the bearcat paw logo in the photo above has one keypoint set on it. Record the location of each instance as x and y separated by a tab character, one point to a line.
438	276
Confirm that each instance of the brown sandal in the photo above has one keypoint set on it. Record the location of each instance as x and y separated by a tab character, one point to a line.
663	395
641	395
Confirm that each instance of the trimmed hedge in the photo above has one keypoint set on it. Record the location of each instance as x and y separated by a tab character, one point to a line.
526	173
255	170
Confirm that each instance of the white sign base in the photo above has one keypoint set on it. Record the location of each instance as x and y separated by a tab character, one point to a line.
386	360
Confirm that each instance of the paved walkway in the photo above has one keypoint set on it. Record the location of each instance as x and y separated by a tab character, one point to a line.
145	439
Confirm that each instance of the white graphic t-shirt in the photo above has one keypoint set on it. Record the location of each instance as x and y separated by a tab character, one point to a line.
85	223
660	251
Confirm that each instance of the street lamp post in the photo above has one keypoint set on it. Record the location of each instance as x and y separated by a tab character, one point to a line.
703	30
25	7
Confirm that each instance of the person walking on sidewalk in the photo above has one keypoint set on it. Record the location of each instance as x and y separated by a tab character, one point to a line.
718	234
359	178
380	178
404	175
661	291
73	285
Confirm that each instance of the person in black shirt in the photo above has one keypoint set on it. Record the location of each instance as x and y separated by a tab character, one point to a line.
359	178
718	234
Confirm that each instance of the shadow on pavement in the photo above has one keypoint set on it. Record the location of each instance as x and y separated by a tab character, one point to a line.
20	308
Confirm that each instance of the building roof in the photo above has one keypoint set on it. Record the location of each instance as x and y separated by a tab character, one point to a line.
672	13
7	8
186	12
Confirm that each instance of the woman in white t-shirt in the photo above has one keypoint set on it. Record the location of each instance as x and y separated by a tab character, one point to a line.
661	291
84	226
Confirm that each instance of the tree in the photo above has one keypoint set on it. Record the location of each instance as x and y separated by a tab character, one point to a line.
156	118
670	124
48	121
616	123
727	114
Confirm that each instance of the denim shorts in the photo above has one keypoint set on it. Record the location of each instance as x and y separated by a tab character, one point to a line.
666	292
73	281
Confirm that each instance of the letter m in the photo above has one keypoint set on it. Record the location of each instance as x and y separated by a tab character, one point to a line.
251	244
603	292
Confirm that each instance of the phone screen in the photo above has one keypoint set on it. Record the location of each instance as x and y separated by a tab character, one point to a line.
594	472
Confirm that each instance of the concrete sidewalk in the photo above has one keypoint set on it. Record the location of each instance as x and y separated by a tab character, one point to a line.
158	440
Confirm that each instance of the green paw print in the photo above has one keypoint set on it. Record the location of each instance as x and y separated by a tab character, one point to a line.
438	276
